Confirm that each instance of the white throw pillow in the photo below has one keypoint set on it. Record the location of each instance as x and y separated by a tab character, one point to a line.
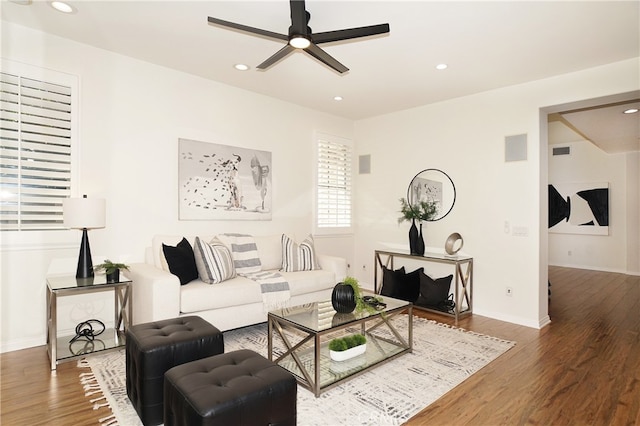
244	252
298	257
214	261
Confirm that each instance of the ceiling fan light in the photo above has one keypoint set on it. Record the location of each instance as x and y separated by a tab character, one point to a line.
299	42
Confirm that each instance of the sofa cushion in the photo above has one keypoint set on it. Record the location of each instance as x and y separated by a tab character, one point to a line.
309	281
213	260
298	257
181	261
199	296
270	251
244	252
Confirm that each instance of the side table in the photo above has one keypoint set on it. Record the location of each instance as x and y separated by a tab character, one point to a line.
462	284
59	348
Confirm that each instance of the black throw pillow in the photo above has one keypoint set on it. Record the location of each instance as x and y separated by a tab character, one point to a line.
400	285
433	292
409	288
391	280
181	261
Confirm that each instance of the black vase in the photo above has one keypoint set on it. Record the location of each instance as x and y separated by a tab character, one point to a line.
114	277
413	238
420	243
343	298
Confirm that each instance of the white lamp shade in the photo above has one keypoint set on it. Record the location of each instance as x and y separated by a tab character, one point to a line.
84	213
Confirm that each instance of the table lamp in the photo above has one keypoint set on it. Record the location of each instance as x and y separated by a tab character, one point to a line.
84	213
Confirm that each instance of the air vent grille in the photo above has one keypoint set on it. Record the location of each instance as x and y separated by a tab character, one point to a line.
562	150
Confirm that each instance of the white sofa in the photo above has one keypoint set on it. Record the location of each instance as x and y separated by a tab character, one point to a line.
237	302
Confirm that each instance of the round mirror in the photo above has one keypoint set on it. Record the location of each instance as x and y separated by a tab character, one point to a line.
430	190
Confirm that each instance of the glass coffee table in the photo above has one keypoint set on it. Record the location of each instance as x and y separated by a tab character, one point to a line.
299	336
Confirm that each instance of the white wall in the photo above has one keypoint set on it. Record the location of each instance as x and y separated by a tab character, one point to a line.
588	163
465	138
131	116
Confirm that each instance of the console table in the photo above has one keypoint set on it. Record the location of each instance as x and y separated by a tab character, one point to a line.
60	348
463	277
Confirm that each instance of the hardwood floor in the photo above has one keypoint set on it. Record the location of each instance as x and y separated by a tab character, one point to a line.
583	369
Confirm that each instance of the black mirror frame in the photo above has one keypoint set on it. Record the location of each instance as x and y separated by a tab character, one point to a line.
453	202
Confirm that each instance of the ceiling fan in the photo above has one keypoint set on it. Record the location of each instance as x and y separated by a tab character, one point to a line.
301	37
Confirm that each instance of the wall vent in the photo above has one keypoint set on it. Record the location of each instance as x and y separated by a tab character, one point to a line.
562	150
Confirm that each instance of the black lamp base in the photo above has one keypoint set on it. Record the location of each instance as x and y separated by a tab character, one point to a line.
85	265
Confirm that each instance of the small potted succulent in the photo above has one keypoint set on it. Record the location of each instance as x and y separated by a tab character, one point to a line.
343	348
111	269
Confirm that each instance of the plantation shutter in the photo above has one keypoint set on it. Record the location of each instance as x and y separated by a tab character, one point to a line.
333	185
35	152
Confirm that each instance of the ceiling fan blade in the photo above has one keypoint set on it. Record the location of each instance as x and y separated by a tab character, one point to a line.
323	56
299	18
276	57
245	28
349	33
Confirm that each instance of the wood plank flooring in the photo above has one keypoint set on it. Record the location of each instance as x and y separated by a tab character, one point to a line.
583	369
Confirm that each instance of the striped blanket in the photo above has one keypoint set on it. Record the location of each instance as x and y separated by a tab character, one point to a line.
275	289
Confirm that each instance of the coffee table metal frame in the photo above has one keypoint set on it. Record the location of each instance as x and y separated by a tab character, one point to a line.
367	323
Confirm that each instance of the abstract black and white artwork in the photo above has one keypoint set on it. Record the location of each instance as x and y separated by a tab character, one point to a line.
579	208
222	182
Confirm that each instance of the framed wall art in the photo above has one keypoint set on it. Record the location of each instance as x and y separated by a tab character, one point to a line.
222	182
579	208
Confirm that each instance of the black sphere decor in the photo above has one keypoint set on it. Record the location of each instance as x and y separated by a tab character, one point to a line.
343	298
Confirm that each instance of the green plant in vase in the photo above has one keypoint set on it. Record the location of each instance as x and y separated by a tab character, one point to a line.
344	348
367	304
422	211
340	344
111	269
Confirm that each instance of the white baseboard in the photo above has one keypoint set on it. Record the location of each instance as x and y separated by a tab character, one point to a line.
513	319
595	268
19	344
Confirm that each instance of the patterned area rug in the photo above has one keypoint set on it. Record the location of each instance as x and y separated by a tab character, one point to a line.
389	394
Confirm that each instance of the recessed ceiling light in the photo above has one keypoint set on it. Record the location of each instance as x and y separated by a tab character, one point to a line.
337	98
241	67
442	66
630	111
62	7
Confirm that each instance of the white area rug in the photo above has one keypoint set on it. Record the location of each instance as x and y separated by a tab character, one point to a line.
390	394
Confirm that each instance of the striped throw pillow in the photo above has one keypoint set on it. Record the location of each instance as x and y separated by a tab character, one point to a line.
298	257
213	261
244	252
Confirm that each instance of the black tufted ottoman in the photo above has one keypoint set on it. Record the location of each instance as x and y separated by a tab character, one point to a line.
238	388
155	347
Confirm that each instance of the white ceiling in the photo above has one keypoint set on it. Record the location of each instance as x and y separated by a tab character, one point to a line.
487	45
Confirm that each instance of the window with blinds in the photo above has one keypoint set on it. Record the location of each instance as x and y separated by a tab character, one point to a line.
35	152
333	189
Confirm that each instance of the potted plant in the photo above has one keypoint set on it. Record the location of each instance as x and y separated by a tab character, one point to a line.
423	210
343	348
347	297
111	269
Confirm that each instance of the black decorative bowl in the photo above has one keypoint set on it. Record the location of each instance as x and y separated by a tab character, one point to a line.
343	298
